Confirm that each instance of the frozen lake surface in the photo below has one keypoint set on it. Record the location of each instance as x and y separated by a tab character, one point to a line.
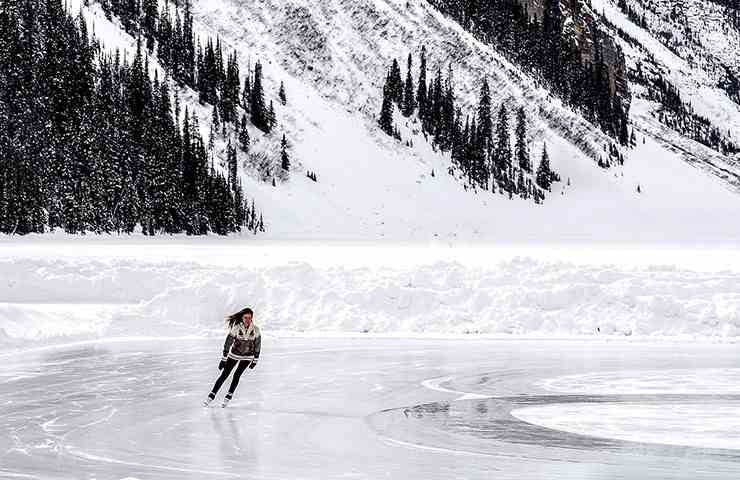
374	408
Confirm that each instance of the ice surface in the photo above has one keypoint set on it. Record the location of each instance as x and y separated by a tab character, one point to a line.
694	425
677	423
706	381
333	408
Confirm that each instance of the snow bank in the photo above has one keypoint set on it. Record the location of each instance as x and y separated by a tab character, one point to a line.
46	300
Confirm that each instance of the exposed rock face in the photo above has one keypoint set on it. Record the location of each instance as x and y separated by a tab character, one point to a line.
583	23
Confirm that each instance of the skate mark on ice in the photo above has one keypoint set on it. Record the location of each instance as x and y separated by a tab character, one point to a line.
436	385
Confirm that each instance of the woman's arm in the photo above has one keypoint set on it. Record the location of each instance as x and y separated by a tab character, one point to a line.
227	345
257	348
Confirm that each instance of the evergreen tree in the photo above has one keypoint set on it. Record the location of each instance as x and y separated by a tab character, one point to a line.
244	135
247	94
271	119
281	94
386	112
171	217
522	149
521	187
232	163
165	36
149	23
434	110
421	95
238	202
257	107
544	174
485	122
472	163
284	157
230	91
395	84
446	127
188	45
253	215
409	99
503	148
482	148
215	120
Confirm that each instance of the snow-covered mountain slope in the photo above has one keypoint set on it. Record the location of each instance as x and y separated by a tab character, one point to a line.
694	45
698	31
332	58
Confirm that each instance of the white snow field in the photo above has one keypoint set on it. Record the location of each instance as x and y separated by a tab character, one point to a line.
318	408
54	291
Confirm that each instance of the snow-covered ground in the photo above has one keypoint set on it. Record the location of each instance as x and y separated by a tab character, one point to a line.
53	291
352	408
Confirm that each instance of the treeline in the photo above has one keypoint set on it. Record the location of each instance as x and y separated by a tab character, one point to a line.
89	142
543	49
169	33
479	147
678	115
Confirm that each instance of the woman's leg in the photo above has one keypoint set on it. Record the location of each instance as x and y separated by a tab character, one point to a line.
243	364
230	363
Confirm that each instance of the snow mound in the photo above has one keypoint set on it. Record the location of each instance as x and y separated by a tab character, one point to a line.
47	300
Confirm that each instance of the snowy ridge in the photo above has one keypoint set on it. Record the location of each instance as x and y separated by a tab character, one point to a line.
342	48
55	300
696	66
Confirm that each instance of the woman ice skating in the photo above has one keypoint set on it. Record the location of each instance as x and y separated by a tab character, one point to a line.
241	350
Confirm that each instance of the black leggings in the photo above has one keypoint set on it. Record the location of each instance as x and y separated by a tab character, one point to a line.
230	363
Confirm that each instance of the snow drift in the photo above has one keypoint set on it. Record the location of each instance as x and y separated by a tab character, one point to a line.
55	300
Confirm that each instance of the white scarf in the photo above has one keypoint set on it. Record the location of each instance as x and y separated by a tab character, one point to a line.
250	333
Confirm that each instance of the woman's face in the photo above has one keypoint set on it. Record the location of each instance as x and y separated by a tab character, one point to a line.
247	318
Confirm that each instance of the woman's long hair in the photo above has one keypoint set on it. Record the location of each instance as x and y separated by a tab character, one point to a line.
235	318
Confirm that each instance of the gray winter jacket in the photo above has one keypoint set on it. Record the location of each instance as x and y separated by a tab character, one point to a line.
243	343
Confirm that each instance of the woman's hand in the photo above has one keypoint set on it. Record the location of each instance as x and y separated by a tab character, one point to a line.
221	364
253	364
